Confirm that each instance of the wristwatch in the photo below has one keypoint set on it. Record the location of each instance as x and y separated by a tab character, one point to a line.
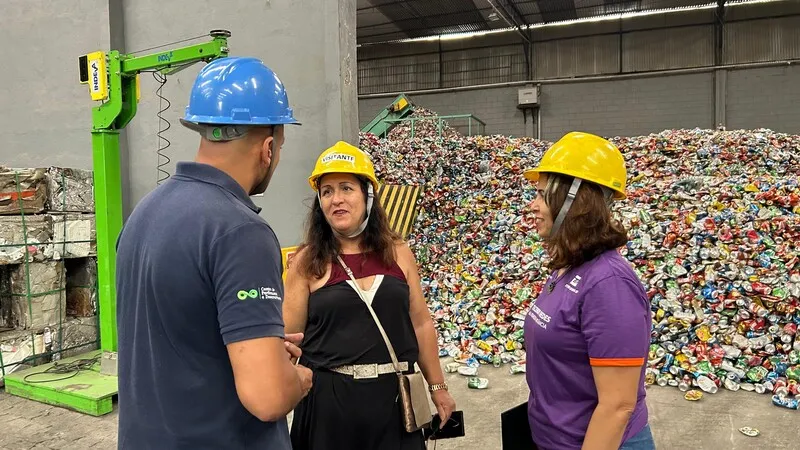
437	387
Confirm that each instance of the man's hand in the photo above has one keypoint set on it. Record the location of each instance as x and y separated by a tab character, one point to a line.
306	378
267	383
294	338
292	343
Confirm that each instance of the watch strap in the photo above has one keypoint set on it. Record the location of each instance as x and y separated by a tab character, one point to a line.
437	387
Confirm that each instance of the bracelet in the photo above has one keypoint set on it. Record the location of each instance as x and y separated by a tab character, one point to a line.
437	387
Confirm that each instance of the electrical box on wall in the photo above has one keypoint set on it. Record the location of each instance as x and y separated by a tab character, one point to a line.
528	97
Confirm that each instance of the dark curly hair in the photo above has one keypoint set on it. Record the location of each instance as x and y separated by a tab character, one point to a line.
320	245
588	230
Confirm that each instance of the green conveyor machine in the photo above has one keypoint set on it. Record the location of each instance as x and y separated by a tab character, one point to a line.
389	116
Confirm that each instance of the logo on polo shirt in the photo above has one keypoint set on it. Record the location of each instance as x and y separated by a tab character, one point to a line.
265	293
539	316
573	285
244	295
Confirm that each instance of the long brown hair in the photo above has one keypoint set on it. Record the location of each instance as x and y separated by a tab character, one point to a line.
321	246
588	229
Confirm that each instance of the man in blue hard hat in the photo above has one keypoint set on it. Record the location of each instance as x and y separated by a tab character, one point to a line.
203	359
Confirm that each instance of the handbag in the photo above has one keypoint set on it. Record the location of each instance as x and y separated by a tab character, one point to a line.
413	393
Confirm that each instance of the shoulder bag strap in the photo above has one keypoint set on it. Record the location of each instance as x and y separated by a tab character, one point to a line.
374	316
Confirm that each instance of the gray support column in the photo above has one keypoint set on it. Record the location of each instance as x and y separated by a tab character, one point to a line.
720	97
349	77
341	70
530	122
720	76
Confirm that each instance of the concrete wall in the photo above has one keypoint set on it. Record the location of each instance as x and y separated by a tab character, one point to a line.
306	58
753	98
46	116
768	97
628	107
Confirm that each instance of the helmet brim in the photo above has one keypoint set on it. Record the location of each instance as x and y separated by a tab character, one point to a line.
531	175
313	180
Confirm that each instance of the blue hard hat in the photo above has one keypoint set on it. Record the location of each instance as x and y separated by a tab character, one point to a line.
238	91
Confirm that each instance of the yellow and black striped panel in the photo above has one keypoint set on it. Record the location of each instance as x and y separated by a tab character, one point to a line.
400	203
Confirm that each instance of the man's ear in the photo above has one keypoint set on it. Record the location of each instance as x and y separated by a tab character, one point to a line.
266	150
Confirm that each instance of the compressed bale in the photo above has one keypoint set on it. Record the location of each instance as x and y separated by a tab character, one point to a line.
17	349
74	235
29	185
79	336
70	190
45	292
36	232
48	236
81	287
5	299
73	338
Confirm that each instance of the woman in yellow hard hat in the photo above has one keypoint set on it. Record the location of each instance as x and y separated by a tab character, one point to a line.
354	399
587	334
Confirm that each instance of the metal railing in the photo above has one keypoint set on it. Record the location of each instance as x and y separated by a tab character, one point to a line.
472	123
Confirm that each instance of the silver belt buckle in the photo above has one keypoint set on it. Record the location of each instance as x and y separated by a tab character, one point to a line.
364	371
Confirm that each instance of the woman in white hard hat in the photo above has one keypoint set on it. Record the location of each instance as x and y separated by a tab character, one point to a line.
587	334
354	401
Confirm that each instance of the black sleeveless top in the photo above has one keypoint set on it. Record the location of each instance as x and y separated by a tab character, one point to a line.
340	330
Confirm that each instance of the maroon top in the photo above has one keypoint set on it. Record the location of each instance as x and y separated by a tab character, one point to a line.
363	265
340	329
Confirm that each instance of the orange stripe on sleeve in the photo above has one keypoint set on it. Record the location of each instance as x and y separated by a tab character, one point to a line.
616	362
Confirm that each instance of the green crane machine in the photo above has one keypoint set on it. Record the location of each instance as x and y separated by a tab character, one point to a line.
113	80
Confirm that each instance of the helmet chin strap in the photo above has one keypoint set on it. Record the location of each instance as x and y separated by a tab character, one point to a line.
608	196
363	226
573	191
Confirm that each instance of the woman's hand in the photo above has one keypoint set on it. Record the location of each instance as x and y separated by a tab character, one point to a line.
445	405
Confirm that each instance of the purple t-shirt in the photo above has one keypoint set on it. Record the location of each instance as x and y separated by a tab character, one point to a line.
597	315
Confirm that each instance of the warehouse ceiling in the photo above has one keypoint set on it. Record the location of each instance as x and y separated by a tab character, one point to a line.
389	20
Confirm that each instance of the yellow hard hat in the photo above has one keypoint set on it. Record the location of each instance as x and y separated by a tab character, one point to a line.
585	156
343	158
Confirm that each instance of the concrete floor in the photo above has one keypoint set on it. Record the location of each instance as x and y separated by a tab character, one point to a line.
709	424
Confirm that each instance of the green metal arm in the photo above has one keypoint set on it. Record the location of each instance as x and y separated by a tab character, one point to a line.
107	120
120	107
168	62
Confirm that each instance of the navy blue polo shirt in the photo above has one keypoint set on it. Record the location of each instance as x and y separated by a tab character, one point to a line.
197	268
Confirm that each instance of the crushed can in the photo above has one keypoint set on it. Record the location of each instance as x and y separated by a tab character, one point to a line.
693	395
748	431
786	402
467	371
452	367
477	383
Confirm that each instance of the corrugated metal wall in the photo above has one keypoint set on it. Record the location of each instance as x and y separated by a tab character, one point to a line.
564	58
403	73
631	46
483	66
762	40
668	48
